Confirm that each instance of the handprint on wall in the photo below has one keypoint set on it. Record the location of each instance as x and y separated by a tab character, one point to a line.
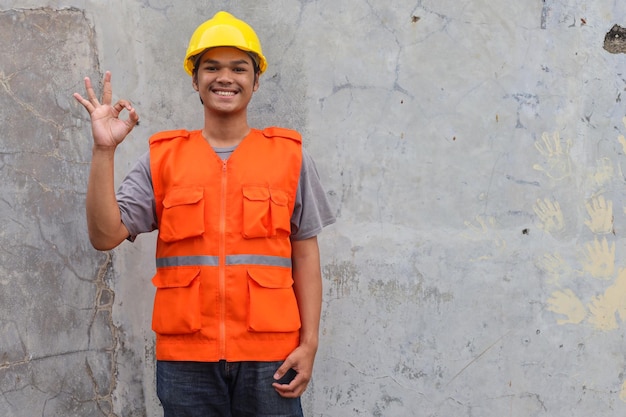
604	172
601	215
599	259
484	227
557	164
555	267
568	304
550	214
602	311
607	307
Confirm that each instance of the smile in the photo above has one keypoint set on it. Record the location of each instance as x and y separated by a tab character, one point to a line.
225	93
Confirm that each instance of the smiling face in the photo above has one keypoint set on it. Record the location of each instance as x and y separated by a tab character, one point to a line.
225	78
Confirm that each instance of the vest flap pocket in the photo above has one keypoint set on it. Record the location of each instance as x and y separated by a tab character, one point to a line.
273	306
256	193
271	277
265	212
256	212
181	196
279	197
183	214
175	277
177	301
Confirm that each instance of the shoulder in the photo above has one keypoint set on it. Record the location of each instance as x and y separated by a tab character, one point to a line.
168	135
281	132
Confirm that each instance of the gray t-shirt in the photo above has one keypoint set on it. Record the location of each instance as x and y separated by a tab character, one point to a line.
311	213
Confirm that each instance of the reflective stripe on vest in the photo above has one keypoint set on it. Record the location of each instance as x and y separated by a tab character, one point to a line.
262	260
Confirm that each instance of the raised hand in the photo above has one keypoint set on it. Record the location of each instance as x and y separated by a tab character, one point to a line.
107	128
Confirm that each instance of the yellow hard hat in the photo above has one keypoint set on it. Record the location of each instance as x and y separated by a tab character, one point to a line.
223	29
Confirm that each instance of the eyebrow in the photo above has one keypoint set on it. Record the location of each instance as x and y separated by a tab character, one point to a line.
235	62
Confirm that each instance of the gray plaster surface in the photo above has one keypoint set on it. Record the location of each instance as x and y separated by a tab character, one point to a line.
474	152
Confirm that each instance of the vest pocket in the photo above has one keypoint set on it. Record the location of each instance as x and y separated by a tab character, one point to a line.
265	212
177	301
281	218
183	214
273	306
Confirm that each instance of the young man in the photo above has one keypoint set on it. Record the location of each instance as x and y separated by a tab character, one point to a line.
238	279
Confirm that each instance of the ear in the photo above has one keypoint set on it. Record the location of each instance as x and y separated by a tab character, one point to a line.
194	82
256	81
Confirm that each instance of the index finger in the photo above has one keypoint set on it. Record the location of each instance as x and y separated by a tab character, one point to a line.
91	95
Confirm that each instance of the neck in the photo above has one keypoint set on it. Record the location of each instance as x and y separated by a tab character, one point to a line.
222	131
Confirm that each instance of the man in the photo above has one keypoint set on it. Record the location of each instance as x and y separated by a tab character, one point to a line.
238	299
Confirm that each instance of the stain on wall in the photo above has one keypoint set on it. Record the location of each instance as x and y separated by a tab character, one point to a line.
615	40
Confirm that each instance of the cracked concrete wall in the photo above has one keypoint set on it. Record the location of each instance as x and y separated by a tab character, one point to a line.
59	344
473	151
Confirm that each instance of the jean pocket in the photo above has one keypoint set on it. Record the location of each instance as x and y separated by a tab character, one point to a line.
272	304
183	214
177	301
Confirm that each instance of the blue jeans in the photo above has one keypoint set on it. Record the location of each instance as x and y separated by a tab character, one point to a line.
222	389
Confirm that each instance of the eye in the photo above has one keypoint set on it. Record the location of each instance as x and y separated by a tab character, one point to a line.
240	69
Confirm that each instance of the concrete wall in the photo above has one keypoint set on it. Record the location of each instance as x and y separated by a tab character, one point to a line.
474	152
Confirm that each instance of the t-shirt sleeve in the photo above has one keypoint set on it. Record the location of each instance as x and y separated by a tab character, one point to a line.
135	197
312	211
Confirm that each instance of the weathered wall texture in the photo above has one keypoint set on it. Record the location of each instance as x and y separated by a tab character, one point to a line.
474	152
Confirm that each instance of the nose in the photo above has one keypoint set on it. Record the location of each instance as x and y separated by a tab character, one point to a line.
224	76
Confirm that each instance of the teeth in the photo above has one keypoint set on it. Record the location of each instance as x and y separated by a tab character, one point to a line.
224	93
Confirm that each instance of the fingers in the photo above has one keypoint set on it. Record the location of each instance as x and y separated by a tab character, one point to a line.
292	390
133	117
295	383
107	91
86	104
91	94
91	101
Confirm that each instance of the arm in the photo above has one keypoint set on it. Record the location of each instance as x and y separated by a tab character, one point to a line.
308	288
104	224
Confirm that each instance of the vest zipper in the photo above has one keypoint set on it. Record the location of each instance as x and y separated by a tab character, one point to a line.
222	263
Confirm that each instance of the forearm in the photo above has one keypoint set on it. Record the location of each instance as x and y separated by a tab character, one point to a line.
308	289
104	223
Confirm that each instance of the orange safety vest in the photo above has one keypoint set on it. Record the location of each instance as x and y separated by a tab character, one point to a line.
224	280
